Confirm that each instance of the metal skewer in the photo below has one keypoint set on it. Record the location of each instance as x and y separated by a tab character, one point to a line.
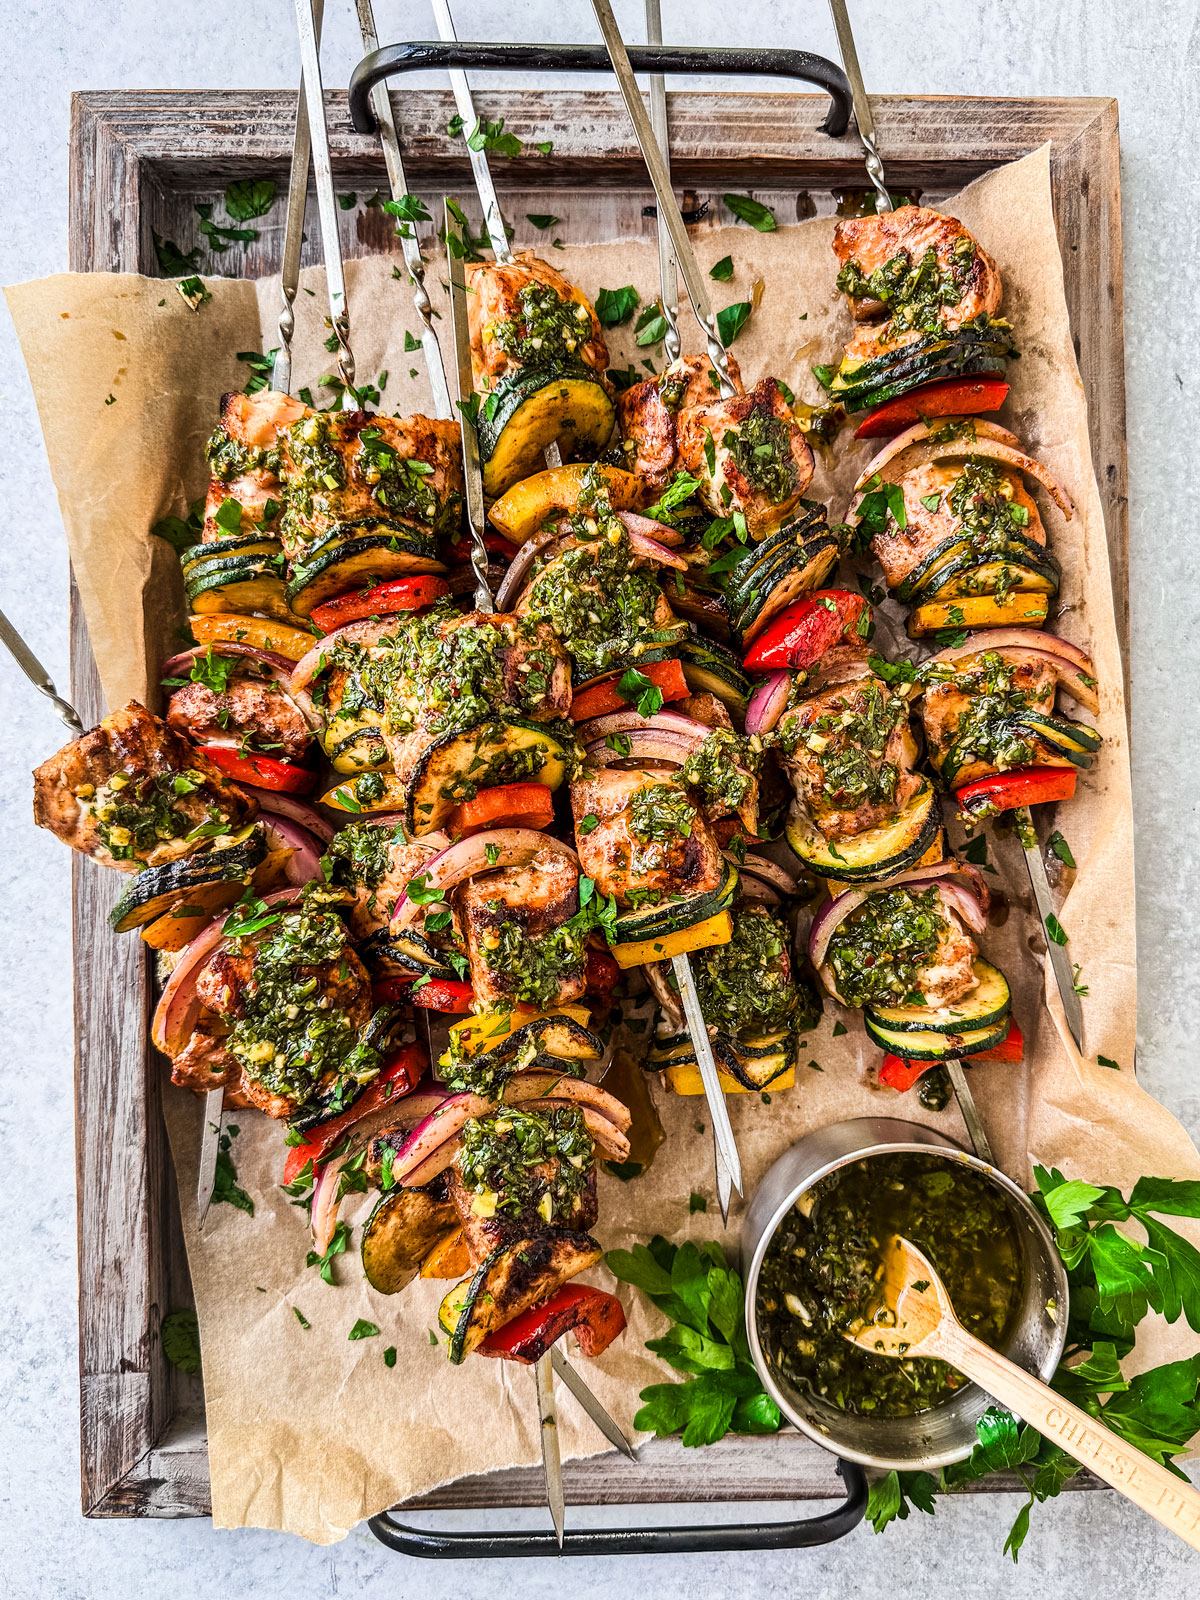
863	114
1060	961
37	674
668	275
587	1400
551	1456
668	208
335	278
281	380
481	172
389	138
466	389
670	218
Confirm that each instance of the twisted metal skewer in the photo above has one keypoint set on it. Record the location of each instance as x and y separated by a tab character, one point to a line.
335	278
863	115
668	275
389	138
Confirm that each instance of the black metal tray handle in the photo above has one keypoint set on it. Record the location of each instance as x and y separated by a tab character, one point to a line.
542	58
682	1541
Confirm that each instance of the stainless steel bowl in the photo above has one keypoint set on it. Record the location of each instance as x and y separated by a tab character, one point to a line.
946	1433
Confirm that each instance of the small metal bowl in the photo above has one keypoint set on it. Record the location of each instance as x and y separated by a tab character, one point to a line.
946	1433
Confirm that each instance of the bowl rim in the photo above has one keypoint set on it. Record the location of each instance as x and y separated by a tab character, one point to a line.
943	1146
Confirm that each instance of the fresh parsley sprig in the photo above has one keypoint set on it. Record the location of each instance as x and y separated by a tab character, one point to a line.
1114	1281
704	1298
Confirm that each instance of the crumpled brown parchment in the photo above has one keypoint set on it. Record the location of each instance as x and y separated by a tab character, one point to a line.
309	1431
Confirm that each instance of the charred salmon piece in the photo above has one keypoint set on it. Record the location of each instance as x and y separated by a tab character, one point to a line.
944	705
931	520
534	900
243	455
248	707
749	454
501	299
482	1234
349	467
871	242
647	414
621	863
849	753
131	791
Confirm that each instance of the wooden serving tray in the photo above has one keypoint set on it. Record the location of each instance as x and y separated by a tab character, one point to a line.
139	163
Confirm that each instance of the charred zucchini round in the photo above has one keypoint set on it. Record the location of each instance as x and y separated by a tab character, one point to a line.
537	407
154	891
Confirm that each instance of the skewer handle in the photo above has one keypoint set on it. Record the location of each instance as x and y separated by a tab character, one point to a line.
335	277
668	207
668	275
863	114
37	674
293	228
493	217
389	138
472	472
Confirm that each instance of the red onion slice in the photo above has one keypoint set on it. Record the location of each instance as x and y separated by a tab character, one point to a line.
645	744
366	632
508	847
304	864
520	564
827	921
767	872
761	893
653	550
920	432
768	702
660	532
539	1084
286	805
325	1203
993	450
177	1009
626	721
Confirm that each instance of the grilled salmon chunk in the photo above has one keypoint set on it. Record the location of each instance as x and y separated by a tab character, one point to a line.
132	792
988	691
482	1234
348	472
516	943
248	707
524	313
244	463
933	494
899	240
648	414
647	836
749	455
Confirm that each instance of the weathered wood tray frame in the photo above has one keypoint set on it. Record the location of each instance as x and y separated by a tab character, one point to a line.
139	163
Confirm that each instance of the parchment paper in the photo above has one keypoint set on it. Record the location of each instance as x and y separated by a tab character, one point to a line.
307	1430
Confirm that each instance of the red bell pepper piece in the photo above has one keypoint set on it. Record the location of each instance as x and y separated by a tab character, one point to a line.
494	543
595	1317
511	805
599	699
397	594
948	397
268	772
444	994
898	1072
1019	786
601	976
802	634
400	1074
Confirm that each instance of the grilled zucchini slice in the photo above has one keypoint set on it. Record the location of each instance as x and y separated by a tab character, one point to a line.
250	585
510	1280
404	1227
672	916
155	890
936	1046
455	767
878	852
537	407
367	554
987	1006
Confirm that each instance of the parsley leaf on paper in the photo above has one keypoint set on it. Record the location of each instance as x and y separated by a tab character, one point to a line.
1115	1281
615	306
751	211
694	1286
180	1333
732	320
225	1184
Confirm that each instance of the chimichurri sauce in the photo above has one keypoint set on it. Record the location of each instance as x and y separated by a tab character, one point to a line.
820	1273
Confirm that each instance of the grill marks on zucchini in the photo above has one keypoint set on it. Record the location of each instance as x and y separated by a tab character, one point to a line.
534	408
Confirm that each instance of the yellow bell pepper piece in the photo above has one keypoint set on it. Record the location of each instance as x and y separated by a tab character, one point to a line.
486	1029
521	510
686	1079
700	936
1016	610
261	632
449	1258
343	798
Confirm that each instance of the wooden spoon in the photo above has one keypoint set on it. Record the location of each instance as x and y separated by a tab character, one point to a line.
915	1318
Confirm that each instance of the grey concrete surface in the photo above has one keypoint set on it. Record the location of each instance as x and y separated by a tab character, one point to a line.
1144	53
